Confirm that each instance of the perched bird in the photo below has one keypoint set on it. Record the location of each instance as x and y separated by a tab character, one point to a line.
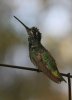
41	57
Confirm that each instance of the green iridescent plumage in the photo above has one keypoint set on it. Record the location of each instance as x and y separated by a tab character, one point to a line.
40	56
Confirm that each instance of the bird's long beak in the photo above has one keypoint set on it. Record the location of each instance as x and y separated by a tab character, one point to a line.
27	28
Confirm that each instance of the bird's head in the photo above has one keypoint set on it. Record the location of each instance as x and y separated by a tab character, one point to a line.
33	33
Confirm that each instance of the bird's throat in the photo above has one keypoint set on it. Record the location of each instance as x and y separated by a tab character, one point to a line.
33	46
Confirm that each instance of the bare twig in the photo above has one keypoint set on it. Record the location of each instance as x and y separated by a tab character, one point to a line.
69	86
20	67
37	70
28	68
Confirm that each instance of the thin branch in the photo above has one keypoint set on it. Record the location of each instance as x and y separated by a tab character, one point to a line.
66	75
28	68
20	67
37	70
69	86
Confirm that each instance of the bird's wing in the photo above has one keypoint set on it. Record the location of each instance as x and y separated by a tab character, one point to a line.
47	65
50	63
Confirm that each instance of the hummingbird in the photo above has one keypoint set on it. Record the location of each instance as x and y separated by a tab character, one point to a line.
40	56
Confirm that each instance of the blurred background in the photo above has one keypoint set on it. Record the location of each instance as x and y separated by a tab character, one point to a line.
54	20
